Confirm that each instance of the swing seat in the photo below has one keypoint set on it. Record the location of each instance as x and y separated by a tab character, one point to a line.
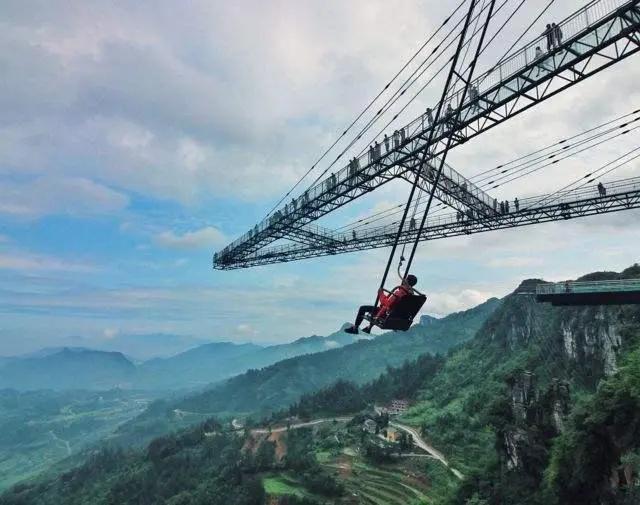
401	316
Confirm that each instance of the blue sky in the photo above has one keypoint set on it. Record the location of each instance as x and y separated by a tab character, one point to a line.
137	137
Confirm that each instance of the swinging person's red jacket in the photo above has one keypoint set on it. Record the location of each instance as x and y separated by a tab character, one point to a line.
387	302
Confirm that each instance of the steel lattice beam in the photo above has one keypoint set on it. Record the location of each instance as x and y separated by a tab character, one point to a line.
621	195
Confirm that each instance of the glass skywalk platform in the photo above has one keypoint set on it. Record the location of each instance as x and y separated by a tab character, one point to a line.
612	292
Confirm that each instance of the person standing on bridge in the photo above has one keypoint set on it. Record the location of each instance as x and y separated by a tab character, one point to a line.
548	33
557	34
429	116
372	154
386	142
449	116
601	189
516	204
449	111
473	98
538	57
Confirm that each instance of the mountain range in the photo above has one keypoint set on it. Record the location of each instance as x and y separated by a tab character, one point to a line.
81	368
540	405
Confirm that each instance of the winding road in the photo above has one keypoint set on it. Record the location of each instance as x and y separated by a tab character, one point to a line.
420	442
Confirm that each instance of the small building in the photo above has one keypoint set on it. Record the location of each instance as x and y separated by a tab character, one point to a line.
393	435
397	407
369	426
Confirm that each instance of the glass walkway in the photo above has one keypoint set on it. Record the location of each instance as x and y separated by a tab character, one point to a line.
612	292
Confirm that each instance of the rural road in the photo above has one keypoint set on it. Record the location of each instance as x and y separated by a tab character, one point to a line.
417	440
66	444
301	425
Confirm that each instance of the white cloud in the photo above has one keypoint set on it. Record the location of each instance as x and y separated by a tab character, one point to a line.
246	330
110	333
442	303
21	261
514	262
59	195
204	238
232	100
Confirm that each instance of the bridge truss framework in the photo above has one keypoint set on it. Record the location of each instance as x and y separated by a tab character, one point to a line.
598	36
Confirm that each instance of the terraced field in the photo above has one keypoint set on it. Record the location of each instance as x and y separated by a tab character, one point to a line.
389	485
281	485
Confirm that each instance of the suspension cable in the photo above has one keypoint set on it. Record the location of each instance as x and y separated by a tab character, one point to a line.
430	139
472	67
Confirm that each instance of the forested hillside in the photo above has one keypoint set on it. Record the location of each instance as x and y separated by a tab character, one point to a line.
543	399
259	392
208	464
283	383
40	428
542	407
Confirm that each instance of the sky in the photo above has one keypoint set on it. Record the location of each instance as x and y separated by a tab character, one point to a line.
138	137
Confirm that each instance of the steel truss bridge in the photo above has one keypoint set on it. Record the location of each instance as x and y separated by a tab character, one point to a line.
596	37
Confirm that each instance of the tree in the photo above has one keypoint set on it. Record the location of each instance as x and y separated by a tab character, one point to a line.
265	455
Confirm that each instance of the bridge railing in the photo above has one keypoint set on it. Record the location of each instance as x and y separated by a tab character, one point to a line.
569	287
570	27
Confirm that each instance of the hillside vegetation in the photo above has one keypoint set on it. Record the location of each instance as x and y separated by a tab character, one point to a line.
540	407
260	392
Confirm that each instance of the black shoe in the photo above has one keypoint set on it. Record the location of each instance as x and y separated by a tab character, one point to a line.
367	330
353	330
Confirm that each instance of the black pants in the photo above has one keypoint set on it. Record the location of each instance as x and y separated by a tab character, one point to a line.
365	309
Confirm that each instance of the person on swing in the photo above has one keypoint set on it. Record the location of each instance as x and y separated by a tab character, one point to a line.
386	302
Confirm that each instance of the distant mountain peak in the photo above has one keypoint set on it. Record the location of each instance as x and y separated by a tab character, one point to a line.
426	320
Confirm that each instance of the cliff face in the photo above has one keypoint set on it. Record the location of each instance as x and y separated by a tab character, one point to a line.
565	353
580	341
534	417
591	336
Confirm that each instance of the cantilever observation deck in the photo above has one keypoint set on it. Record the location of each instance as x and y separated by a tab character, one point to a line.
613	292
